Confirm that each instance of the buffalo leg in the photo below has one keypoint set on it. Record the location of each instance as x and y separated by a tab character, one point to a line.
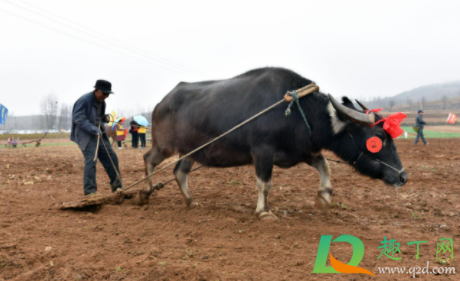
152	158
323	197
181	171
264	168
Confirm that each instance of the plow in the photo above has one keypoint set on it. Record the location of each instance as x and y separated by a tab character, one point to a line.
14	142
143	196
37	142
116	197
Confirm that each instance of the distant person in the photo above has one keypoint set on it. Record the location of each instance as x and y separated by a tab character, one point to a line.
134	133
419	123
142	131
88	118
120	134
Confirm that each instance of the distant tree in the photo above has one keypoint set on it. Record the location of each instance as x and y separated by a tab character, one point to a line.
65	117
379	102
423	102
148	115
409	103
444	102
391	104
125	112
49	109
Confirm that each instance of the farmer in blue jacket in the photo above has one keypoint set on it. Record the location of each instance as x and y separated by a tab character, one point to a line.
88	118
420	124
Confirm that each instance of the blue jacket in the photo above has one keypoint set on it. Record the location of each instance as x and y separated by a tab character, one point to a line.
419	121
84	120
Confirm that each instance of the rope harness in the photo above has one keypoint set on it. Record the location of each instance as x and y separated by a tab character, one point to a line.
399	171
378	160
204	145
291	97
310	88
295	97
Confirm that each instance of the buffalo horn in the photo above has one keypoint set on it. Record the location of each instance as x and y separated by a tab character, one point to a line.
353	115
362	105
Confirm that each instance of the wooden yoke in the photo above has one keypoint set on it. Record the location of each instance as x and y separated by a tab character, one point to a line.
302	92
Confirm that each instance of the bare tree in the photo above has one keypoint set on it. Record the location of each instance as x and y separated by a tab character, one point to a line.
65	117
444	102
49	108
128	113
391	104
378	102
423	102
409	103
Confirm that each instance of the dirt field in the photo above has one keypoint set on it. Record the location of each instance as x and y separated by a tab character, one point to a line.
447	129
221	240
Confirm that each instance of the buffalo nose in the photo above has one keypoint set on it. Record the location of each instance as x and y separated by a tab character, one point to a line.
403	178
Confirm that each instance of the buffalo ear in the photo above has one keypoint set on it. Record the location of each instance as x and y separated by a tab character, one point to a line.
348	103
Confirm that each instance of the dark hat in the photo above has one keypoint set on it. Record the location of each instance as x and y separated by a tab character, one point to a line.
104	86
420	111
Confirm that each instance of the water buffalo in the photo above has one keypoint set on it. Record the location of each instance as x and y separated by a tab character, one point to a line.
194	113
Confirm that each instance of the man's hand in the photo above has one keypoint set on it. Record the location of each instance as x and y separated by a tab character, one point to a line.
98	132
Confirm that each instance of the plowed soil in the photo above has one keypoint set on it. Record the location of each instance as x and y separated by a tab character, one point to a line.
222	239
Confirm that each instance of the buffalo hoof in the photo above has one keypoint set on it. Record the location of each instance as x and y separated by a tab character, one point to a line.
192	204
267	216
323	201
143	197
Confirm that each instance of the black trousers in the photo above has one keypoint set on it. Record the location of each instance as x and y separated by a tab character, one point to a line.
135	139
142	137
89	173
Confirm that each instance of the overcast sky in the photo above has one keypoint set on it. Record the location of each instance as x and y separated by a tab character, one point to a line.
355	48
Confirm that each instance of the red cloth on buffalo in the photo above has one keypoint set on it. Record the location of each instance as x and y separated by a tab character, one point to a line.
392	124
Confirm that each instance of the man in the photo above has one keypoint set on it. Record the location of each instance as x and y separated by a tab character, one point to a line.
88	116
420	124
134	133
